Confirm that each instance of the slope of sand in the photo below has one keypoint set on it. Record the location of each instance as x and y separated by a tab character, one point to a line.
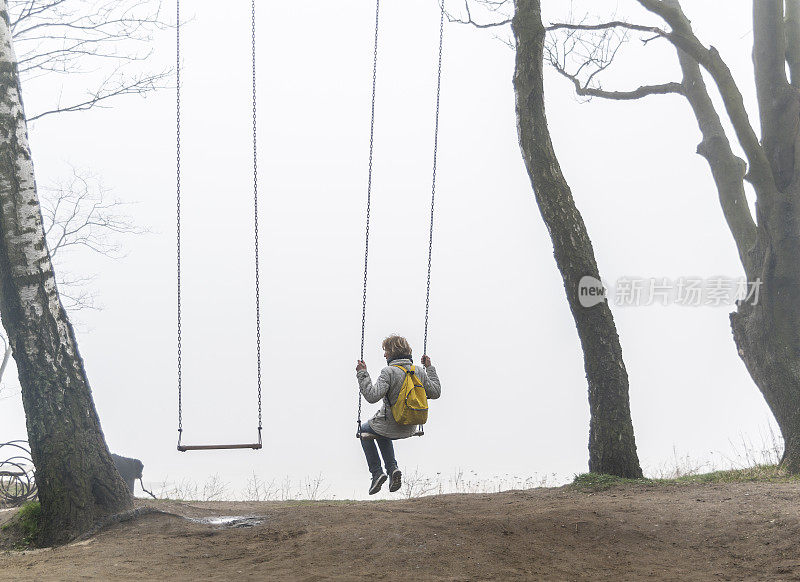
631	532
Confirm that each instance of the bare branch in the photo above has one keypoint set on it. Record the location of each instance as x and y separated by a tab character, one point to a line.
68	37
581	52
659	33
60	35
85	53
639	93
75	292
113	86
683	37
77	214
491	5
597	51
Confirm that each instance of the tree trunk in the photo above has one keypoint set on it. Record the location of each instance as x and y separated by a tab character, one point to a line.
766	331
76	477
772	359
767	334
612	447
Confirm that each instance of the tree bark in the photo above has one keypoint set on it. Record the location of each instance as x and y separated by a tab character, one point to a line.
77	480
612	447
767	334
767	331
779	106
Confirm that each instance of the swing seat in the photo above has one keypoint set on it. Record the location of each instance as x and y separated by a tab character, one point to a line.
218	447
370	436
184	448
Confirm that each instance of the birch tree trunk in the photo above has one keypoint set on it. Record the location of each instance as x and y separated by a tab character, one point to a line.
612	447
76	477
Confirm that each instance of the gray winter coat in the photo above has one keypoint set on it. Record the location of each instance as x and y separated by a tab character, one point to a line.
388	387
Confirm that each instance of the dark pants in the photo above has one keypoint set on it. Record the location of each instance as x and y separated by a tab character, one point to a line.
371	452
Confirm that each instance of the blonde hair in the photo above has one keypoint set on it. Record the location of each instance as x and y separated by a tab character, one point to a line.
396	346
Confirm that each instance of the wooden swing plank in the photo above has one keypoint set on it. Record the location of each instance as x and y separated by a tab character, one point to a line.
184	448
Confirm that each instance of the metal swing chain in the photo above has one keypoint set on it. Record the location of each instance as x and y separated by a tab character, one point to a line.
433	181
369	196
178	174
178	210
255	212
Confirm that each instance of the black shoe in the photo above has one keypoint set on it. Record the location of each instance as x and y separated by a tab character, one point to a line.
397	481
377	483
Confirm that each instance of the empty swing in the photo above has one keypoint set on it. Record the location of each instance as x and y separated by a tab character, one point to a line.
420	430
256	445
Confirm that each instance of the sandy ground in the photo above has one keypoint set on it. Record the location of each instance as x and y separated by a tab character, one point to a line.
743	531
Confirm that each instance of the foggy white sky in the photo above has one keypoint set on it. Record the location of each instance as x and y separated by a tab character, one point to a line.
514	393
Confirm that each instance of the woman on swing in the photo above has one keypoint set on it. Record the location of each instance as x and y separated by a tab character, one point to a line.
383	426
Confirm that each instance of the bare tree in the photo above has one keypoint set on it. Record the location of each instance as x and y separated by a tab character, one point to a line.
612	445
767	331
104	43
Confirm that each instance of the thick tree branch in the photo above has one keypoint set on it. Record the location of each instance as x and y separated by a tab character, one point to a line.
608	25
581	52
769	44
778	102
640	93
727	169
760	174
792	27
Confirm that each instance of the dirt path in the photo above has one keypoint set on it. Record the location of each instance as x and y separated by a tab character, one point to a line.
678	532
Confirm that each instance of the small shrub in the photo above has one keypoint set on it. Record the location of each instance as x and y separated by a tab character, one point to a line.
760	473
757	473
601	482
25	525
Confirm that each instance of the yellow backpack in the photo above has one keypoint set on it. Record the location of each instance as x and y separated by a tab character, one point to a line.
411	406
